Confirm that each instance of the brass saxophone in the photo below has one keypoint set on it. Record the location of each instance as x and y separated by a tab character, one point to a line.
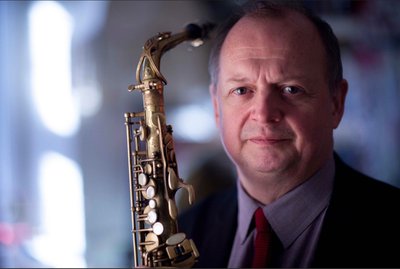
153	169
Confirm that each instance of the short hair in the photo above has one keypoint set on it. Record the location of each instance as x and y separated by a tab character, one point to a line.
271	8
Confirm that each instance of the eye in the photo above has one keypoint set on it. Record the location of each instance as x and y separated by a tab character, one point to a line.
240	91
291	90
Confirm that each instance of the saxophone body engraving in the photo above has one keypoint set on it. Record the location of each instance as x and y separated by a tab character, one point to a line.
153	169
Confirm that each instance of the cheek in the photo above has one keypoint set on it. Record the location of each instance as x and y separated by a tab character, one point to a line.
230	128
313	128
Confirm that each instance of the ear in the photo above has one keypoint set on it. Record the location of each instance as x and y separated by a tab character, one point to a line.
213	93
339	99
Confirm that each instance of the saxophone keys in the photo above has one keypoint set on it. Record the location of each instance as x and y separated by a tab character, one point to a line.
180	247
189	188
150	192
158	228
136	87
148	169
149	214
176	239
151	242
152	203
142	179
152	216
172	210
143	133
173	183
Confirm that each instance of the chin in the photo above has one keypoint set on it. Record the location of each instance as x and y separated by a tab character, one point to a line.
272	163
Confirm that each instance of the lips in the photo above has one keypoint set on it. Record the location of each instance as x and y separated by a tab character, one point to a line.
268	140
262	135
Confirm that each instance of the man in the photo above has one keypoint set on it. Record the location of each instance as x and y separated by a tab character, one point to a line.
278	94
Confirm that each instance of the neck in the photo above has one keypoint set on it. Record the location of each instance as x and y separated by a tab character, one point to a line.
266	188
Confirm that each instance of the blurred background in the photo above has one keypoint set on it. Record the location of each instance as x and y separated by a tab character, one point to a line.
64	71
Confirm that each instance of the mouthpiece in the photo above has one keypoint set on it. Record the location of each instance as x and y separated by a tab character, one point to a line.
196	31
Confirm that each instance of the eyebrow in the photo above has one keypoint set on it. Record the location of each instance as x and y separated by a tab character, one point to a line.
240	79
237	79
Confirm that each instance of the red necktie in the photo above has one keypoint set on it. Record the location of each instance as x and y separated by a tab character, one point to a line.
262	241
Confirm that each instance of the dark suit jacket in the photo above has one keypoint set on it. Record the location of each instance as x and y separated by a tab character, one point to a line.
361	226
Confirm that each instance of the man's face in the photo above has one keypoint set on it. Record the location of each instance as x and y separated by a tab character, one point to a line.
272	103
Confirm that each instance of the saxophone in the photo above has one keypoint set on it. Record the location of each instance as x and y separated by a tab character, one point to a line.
153	169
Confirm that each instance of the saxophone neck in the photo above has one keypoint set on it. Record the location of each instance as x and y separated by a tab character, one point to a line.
149	63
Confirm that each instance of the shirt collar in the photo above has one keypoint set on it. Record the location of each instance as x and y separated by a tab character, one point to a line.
292	213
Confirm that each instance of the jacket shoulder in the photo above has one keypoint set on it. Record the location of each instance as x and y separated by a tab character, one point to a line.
361	223
211	223
363	188
209	210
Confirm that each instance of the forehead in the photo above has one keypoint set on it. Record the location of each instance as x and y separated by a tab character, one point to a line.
288	35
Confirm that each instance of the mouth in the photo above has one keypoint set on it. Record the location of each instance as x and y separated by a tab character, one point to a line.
268	140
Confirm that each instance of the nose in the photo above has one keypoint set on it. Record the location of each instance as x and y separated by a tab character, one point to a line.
267	108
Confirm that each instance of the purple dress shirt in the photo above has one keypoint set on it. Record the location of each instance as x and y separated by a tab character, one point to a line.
296	219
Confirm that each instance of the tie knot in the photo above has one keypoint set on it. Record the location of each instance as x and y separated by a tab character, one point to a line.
260	220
